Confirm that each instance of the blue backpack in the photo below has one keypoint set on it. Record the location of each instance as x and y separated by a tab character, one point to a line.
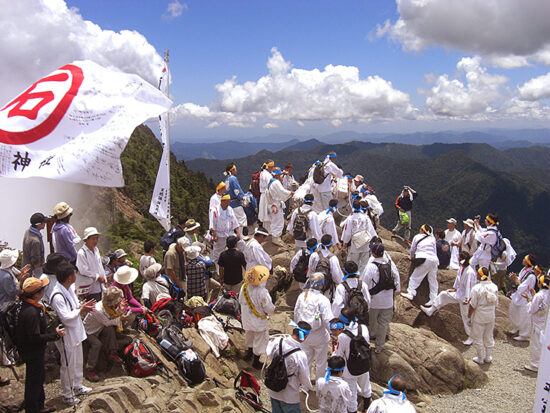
499	247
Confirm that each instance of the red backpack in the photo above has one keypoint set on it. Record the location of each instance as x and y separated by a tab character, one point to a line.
140	360
255	185
149	324
160	304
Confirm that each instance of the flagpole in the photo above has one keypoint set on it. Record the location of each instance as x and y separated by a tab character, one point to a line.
166	59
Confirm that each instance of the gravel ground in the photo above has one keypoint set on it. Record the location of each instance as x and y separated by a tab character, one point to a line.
511	388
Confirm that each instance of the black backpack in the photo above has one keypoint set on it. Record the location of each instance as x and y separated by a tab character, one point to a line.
276	376
301	225
499	247
191	367
358	361
300	270
9	317
228	304
319	173
324	266
385	281
356	300
169	237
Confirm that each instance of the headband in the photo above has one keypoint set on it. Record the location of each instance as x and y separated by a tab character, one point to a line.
491	220
268	164
313	248
302	331
317	163
537	269
308	201
277	172
357	210
259	231
528	260
541	280
482	274
330	369
426	229
317	284
348	176
220	186
393	391
225	197
344	319
330	208
348	274
336	326
332	155
325	246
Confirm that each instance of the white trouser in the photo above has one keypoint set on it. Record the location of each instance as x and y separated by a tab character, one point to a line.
427	268
482	335
535	345
360	258
277	222
316	348
257	341
520	319
71	376
358	384
324	198
481	262
241	218
449	297
217	248
454	258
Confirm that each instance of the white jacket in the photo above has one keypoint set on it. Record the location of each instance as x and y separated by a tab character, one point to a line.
391	403
254	254
484	300
261	300
276	194
313	308
67	307
296	366
330	169
370	276
375	204
223	221
423	246
340	295
89	269
486	239
353	224
465	280
527	281
327	225
538	308
314	230
334	396
335	269
342	349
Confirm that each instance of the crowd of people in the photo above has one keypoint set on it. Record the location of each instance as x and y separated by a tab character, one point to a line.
348	281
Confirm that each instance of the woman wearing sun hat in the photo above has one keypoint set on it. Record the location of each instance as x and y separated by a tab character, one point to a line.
9	275
123	277
256	306
63	234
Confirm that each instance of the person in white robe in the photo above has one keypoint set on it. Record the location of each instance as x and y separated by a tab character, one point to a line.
453	237
265	178
275	196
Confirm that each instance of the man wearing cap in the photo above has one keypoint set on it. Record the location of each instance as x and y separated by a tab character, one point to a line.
63	234
256	306
31	343
312	230
393	399
276	196
265	178
49	269
223	224
121	258
191	228
468	240
33	244
215	199
236	194
194	271
453	237
404	203
254	253
90	274
325	189
9	275
174	262
356	183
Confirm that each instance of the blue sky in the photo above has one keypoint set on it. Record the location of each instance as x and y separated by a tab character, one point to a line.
396	66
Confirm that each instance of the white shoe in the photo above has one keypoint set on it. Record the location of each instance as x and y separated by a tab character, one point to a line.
71	401
488	359
521	338
82	390
513	332
478	360
408	296
530	367
428	310
468	342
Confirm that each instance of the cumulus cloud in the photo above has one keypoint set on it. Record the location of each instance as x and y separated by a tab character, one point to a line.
174	9
270	125
335	93
508	32
60	35
536	88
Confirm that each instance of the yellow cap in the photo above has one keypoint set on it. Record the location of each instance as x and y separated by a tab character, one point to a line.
220	186
32	285
226	198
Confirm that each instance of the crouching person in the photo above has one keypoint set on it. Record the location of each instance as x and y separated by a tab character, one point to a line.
288	360
393	399
256	306
483	302
32	338
333	392
101	327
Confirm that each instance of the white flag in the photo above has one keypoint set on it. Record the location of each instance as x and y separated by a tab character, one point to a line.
542	392
160	202
73	124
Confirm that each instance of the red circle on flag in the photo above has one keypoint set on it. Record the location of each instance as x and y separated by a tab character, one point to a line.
51	122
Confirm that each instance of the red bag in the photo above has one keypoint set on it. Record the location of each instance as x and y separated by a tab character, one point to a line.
255	185
160	304
149	324
140	360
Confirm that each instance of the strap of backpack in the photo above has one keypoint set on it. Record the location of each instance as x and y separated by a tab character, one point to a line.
249	303
64	299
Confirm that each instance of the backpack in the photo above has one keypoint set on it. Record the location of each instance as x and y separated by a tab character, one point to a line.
255	184
175	292
356	300
300	270
149	323
385	281
319	173
160	304
9	317
200	312
168	238
191	367
227	304
173	342
499	247
276	376
301	225
358	361
140	360
324	266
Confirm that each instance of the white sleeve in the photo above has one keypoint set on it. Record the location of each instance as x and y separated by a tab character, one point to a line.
314	224
83	266
69	318
338	300
294	260
335	270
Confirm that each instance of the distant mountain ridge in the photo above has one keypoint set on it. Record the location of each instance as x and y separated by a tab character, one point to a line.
220	150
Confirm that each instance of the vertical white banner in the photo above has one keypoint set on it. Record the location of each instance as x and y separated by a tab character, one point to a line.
542	394
160	202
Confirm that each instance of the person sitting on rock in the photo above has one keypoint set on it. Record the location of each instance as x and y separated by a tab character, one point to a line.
525	281
304	223
314	308
381	292
361	383
254	253
326	262
358	230
101	327
301	277
256	306
393	399
156	287
483	302
326	222
288	399
538	310
460	294
333	392
342	294
423	255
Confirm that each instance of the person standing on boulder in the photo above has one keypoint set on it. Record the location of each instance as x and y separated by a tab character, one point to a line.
304	224
326	262
538	310
393	399
223	224
91	273
254	253
215	199
460	294
256	306
276	196
423	255
357	233
63	234
453	237
265	178
326	222
314	308
525	281
324	188
33	244
342	294
486	238
483	302
468	241
404	204
236	194
231	266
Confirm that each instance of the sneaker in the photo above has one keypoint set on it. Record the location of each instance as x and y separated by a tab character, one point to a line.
478	360
91	375
428	310
530	367
521	338
408	296
82	390
71	401
468	342
113	356
488	359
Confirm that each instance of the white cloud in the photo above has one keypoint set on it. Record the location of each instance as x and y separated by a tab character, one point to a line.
335	93
536	88
38	36
336	123
270	125
175	9
508	30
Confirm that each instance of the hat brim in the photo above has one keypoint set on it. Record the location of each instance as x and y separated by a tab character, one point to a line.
470	224
91	235
192	227
12	260
65	214
252	278
126	279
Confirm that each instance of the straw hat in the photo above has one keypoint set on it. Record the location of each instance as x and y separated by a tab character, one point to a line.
151	272
62	210
8	258
256	275
112	296
90	231
190	225
32	285
451	221
126	275
192	252
120	253
469	222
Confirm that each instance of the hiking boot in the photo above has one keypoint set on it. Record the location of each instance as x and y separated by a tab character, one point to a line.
71	401
113	356
257	364
82	390
428	310
91	375
248	355
521	338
